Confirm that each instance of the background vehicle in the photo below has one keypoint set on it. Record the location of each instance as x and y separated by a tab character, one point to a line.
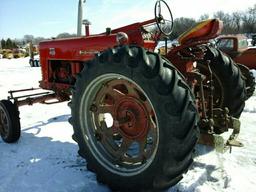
254	40
17	53
236	47
33	54
7	53
136	115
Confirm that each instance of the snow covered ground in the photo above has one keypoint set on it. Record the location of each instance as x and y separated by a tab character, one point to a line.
45	158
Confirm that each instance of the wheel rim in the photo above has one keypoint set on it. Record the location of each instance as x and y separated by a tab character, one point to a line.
119	124
4	122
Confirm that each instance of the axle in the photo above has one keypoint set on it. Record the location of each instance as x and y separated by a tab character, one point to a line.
39	97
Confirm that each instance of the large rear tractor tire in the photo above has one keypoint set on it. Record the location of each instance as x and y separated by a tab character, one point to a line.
134	119
249	80
9	121
229	86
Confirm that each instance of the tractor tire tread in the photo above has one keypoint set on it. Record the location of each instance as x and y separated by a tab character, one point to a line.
231	79
181	127
15	129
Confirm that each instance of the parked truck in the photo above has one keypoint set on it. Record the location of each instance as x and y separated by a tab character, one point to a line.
236	46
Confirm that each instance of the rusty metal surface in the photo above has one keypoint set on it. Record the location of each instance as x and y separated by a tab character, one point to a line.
36	97
240	54
222	122
132	120
247	58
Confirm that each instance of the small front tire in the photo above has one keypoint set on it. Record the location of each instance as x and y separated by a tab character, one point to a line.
9	121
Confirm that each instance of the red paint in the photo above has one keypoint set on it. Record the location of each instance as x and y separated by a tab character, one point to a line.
137	125
240	54
78	50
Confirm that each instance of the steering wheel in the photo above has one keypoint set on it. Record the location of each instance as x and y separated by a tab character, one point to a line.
161	21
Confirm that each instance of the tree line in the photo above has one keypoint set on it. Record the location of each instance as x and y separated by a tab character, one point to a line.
234	23
15	43
8	44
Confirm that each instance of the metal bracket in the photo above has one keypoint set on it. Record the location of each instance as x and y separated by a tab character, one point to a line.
232	141
222	121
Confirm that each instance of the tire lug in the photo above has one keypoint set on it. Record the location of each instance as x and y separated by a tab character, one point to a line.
105	85
144	159
98	136
93	108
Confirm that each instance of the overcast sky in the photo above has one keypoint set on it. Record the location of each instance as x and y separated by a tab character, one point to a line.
47	18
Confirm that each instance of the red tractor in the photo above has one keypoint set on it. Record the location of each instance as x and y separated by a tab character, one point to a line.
136	114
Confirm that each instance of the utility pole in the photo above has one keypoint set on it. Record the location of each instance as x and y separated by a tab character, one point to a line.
80	17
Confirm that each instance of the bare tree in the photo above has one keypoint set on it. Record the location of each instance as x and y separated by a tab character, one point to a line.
65	35
181	25
249	20
37	40
28	38
227	20
203	17
237	21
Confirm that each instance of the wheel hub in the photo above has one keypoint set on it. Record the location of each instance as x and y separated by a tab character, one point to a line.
131	118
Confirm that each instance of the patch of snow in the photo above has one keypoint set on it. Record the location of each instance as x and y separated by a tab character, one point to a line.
254	72
45	158
36	57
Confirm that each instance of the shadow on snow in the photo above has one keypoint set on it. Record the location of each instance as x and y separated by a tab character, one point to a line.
43	164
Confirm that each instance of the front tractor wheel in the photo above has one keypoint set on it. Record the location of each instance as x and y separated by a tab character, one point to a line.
9	121
134	119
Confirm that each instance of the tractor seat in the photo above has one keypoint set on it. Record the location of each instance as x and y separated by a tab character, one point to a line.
202	31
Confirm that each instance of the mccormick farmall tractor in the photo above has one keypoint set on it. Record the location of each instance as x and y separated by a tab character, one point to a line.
137	115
